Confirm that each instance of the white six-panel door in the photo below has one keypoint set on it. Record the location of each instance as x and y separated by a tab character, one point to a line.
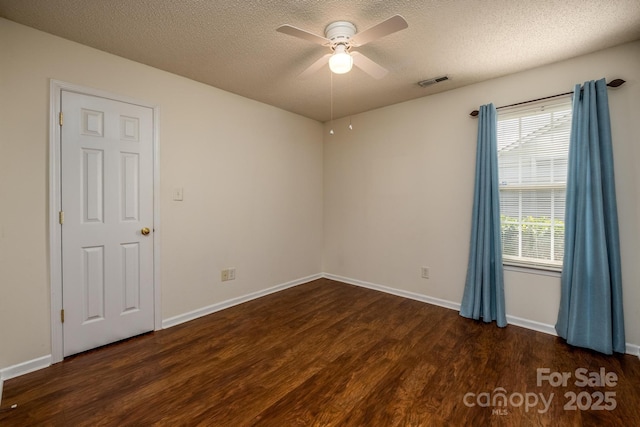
107	200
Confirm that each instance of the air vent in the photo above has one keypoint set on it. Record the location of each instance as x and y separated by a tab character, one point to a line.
429	82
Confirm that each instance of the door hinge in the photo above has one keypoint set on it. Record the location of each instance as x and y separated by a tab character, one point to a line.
61	217
61	118
62	316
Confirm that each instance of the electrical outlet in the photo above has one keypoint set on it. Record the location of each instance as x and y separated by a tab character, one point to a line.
425	272
228	274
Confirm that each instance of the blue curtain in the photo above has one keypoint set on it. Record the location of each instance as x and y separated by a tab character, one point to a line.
484	288
590	312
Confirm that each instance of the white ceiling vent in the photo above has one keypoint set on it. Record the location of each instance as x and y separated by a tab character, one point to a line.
429	82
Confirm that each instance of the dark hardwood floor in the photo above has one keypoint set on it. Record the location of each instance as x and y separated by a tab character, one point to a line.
329	354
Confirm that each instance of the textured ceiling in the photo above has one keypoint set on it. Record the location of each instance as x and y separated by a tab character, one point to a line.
233	45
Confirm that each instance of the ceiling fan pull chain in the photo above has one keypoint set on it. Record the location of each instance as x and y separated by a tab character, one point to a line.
331	101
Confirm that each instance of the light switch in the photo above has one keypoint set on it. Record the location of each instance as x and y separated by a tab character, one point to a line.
177	194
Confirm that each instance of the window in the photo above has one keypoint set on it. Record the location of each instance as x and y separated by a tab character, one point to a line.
533	152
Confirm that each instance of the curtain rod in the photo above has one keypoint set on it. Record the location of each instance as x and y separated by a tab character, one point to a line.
613	83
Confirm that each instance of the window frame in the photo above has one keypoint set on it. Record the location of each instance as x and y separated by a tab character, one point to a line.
560	103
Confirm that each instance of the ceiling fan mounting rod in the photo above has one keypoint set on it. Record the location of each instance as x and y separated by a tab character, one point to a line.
340	32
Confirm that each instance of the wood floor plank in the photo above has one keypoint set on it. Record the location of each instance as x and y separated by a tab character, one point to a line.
323	354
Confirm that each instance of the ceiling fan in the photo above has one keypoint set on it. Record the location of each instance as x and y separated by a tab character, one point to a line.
341	37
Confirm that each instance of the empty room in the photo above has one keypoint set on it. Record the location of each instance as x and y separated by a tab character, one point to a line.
319	213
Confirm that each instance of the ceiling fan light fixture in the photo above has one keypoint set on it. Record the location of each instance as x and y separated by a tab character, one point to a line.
341	61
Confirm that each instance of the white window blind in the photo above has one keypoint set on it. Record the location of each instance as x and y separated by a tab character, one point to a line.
533	150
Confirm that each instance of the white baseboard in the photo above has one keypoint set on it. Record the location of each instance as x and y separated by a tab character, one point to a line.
393	291
23	368
532	324
185	317
632	349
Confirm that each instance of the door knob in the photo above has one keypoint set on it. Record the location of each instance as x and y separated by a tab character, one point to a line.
145	231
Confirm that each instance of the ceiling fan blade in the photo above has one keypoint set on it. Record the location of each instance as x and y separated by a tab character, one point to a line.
324	60
368	66
302	34
391	25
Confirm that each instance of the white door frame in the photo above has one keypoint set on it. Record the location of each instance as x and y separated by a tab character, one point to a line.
55	237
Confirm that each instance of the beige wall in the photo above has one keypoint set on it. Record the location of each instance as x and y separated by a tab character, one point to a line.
261	192
252	178
398	188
